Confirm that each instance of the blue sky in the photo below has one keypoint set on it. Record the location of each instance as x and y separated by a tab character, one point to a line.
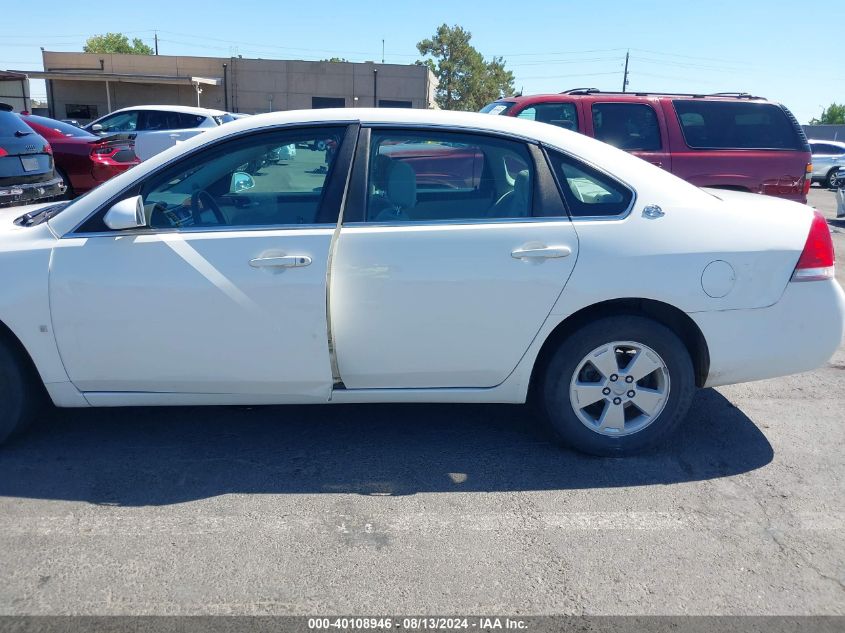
767	48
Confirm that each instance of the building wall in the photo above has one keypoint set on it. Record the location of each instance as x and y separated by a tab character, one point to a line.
12	92
254	85
825	132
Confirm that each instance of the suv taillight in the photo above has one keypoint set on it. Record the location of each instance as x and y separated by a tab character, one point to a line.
808	178
3	152
816	261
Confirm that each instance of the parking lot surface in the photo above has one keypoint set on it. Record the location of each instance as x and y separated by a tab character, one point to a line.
430	509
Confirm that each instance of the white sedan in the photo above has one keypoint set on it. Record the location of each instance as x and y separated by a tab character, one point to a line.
411	256
157	127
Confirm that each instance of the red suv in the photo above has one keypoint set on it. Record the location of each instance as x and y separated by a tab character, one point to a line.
725	140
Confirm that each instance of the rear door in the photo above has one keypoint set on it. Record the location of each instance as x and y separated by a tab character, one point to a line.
638	128
444	281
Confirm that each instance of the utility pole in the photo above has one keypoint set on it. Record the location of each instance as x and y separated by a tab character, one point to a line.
156	40
625	78
375	87
382	51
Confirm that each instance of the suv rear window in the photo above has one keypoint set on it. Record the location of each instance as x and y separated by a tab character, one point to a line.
10	123
728	125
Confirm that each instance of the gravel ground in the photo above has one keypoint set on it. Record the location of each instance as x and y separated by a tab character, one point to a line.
430	509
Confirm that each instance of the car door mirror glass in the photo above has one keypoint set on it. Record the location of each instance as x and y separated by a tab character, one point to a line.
126	214
241	181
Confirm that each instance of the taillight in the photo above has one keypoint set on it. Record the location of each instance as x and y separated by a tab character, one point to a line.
816	261
3	152
47	149
102	150
808	178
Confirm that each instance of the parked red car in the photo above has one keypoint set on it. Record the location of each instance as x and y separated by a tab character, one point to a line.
726	140
83	159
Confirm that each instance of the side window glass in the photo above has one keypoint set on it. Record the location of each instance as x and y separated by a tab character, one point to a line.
265	180
123	122
628	126
587	191
563	115
442	176
187	121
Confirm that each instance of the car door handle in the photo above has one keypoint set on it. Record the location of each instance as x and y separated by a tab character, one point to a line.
282	261
548	252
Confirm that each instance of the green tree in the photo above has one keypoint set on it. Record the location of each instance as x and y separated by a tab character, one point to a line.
116	43
466	80
833	114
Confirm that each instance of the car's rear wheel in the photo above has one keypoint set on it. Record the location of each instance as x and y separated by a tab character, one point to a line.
834	179
618	386
19	395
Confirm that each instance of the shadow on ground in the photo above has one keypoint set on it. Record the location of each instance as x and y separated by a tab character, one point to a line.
155	456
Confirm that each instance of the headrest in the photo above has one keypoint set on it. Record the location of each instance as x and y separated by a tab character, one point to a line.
402	185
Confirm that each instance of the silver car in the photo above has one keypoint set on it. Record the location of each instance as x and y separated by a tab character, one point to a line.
828	158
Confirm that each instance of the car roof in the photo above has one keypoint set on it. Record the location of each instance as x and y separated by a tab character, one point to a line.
824	140
173	108
628	96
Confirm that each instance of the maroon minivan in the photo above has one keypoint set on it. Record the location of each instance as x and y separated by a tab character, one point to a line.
725	140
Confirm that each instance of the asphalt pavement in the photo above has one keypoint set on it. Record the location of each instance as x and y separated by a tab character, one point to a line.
430	509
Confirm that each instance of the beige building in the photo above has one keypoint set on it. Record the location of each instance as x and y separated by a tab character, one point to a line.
85	86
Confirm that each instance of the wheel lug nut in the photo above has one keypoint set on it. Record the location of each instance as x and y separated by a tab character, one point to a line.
614	378
606	391
617	401
631	393
629	379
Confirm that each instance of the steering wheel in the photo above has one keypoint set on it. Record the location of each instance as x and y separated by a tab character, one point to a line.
209	203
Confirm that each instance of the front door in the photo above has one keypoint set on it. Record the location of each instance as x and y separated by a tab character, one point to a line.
225	291
444	270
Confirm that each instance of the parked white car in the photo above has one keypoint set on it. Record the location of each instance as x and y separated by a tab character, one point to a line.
421	256
157	127
828	162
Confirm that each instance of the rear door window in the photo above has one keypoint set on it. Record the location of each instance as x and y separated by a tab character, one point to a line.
563	115
435	176
629	126
739	125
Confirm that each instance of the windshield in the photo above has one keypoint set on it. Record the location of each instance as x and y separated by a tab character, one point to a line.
59	127
498	107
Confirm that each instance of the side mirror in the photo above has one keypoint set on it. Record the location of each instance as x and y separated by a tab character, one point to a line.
96	128
126	214
241	181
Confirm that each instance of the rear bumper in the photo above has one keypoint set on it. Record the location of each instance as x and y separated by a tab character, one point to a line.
798	333
31	192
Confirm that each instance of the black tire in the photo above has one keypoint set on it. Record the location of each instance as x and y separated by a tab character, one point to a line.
834	180
68	194
555	386
19	394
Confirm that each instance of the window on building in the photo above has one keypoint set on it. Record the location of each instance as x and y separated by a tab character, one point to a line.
328	102
78	111
393	103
